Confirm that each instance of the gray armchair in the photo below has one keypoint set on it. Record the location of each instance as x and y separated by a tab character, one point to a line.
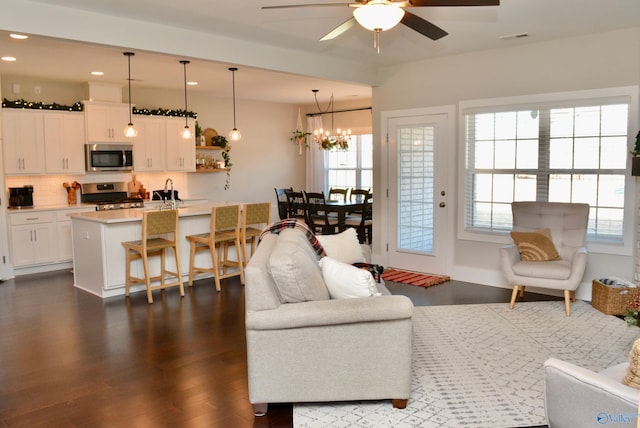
576	397
568	225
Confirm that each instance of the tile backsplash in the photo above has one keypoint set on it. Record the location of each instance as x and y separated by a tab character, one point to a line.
48	189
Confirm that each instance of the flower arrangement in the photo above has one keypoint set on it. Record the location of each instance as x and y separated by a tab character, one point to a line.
631	313
339	143
72	196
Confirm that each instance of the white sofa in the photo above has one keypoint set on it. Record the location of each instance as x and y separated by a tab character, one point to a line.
321	349
576	397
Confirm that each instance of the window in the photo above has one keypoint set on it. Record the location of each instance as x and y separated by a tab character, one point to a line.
557	151
350	168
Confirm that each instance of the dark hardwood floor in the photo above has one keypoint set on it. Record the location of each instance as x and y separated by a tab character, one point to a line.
68	358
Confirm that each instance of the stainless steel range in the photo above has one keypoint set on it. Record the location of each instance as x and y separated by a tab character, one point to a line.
109	196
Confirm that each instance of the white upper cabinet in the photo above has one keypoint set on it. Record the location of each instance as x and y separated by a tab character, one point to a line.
181	153
159	145
64	143
105	122
23	141
149	145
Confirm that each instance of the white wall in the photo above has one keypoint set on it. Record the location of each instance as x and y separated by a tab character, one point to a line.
588	62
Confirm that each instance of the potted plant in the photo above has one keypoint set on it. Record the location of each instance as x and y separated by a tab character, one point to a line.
221	141
300	137
635	160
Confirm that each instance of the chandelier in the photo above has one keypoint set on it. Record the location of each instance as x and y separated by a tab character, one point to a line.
330	139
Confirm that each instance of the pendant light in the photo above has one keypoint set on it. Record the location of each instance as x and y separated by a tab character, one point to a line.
234	135
186	132
130	131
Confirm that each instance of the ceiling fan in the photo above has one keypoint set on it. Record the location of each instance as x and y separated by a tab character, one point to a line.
382	15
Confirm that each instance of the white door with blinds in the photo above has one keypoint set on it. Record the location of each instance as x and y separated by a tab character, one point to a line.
420	159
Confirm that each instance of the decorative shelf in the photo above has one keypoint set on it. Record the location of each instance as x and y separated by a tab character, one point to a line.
212	169
208	148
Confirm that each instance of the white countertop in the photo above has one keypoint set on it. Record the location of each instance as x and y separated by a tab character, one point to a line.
37	208
49	208
135	214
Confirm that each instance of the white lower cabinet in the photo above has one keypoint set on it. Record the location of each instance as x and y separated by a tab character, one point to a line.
33	238
41	237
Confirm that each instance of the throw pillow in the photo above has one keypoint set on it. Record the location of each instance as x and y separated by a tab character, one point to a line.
345	281
535	246
632	375
343	246
294	269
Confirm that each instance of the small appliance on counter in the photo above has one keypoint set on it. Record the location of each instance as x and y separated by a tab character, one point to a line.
21	197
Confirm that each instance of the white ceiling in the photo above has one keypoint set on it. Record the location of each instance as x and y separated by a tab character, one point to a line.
299	29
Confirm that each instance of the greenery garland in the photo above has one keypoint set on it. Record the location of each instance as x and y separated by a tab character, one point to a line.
164	112
37	105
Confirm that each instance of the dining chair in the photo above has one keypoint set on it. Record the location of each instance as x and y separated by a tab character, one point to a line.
317	214
255	217
156	226
297	205
283	204
361	219
224	231
338	194
359	195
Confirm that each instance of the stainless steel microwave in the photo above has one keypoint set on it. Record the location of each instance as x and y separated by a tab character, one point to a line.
108	157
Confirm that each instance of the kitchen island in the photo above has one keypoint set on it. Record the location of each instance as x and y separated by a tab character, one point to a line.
98	255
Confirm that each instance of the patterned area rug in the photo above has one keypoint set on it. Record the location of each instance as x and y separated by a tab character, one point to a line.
413	278
482	365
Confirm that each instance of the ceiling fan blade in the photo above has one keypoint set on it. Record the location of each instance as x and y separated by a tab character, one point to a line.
291	6
434	3
422	26
339	29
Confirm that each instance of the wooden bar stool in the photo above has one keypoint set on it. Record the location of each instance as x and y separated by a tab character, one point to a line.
155	223
224	232
255	217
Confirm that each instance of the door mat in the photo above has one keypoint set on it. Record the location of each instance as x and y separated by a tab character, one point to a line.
413	278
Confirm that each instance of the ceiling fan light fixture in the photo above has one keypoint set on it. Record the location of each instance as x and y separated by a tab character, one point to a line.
378	15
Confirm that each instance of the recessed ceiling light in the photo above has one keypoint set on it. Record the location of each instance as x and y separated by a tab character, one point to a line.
7	58
97	73
18	36
192	83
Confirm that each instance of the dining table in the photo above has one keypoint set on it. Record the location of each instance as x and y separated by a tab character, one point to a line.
342	208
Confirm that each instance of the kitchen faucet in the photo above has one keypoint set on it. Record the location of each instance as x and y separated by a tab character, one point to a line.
173	196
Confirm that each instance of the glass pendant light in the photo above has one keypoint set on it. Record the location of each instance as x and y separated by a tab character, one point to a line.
186	132
130	131
234	135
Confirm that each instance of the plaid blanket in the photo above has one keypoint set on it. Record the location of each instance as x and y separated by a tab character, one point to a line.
292	223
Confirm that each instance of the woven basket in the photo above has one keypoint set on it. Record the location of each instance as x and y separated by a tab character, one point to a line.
612	300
